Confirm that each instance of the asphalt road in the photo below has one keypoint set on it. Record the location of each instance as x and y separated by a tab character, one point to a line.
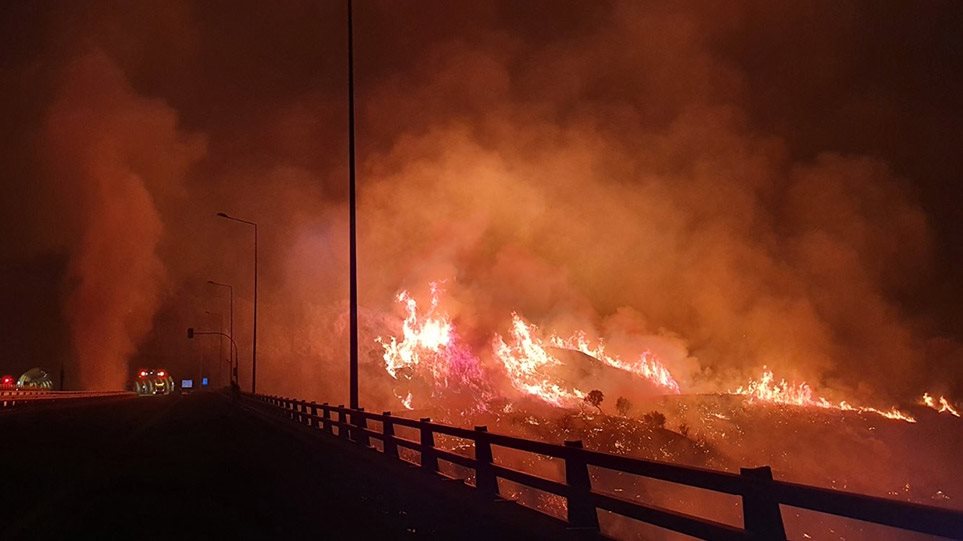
201	467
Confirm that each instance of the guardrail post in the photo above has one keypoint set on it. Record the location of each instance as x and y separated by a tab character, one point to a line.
760	513
313	419
429	462
485	480
388	429
342	423
361	421
326	420
581	510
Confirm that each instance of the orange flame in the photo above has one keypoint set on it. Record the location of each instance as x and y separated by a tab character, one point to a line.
524	358
766	389
943	406
647	367
429	351
420	338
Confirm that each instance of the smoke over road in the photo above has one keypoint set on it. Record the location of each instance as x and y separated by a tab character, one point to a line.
112	155
650	174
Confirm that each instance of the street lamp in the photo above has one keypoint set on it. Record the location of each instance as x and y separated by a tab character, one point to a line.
254	341
191	333
231	289
220	346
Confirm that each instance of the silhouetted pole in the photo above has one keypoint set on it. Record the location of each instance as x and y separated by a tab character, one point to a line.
191	333
352	222
254	341
231	288
220	348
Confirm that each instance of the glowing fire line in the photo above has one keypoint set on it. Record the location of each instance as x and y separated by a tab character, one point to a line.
767	389
428	346
943	406
523	360
647	367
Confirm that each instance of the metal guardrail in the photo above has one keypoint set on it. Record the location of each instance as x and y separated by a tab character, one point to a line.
761	494
18	398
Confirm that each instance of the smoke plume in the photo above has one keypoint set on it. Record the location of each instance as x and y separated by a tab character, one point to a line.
112	155
654	174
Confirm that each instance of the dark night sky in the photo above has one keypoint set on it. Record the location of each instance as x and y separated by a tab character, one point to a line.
806	157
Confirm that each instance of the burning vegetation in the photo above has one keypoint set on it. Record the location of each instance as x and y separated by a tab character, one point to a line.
563	372
538	384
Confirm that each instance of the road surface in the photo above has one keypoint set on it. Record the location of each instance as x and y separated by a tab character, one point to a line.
201	467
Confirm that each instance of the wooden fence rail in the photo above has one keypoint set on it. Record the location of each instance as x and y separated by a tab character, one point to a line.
761	494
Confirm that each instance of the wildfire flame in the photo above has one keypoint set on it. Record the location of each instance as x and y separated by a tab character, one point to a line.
428	349
767	389
524	359
647	366
420	338
943	406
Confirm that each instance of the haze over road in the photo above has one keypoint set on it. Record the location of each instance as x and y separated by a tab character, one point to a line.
202	467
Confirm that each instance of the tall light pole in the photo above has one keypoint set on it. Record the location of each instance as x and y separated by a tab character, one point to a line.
352	223
220	350
191	333
254	341
231	289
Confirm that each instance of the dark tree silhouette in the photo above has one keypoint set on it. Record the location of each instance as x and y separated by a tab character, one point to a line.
595	398
654	419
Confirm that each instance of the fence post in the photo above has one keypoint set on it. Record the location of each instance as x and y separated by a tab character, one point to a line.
326	421
361	422
760	513
313	419
300	409
342	422
429	462
485	480
581	509
388	429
